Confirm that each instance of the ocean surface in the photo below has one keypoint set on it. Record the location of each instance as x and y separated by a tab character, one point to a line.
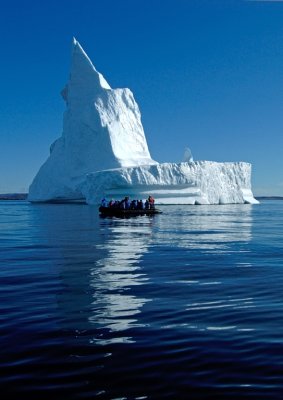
187	304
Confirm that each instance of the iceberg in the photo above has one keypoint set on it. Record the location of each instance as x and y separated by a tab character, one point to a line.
103	152
199	182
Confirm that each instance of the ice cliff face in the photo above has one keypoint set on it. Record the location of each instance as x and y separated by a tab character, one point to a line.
200	182
103	152
102	129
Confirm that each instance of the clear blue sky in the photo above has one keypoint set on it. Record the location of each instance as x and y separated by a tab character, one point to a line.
207	74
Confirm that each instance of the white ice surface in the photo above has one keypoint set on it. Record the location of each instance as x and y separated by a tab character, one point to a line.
197	182
103	152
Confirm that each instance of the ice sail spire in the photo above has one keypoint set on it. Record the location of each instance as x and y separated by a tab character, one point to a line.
107	121
82	69
188	157
102	129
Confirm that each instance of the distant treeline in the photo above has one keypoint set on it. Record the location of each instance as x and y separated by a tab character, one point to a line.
13	196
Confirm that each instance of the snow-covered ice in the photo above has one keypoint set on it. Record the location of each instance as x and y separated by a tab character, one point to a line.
199	182
103	152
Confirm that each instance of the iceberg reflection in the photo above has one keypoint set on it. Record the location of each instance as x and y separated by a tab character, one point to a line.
114	307
97	264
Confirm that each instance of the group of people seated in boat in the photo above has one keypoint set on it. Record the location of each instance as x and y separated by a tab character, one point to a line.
127	204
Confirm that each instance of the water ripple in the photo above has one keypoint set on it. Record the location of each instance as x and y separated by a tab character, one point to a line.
185	303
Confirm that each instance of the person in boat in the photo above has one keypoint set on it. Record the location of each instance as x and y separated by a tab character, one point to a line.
103	202
134	205
125	203
111	203
140	205
151	202
146	204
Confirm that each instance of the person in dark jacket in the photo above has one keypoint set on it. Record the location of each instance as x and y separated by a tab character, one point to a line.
103	202
140	205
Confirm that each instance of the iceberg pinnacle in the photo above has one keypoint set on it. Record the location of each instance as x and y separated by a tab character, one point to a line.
83	73
102	129
103	152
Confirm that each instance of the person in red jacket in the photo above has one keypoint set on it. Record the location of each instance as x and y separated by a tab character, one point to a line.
151	202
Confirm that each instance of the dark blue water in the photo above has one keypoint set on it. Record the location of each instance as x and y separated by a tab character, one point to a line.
183	305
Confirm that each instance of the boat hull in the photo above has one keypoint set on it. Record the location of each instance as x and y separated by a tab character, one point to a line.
118	212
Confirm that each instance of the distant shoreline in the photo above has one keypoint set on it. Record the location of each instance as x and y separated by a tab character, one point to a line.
269	197
23	196
13	196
